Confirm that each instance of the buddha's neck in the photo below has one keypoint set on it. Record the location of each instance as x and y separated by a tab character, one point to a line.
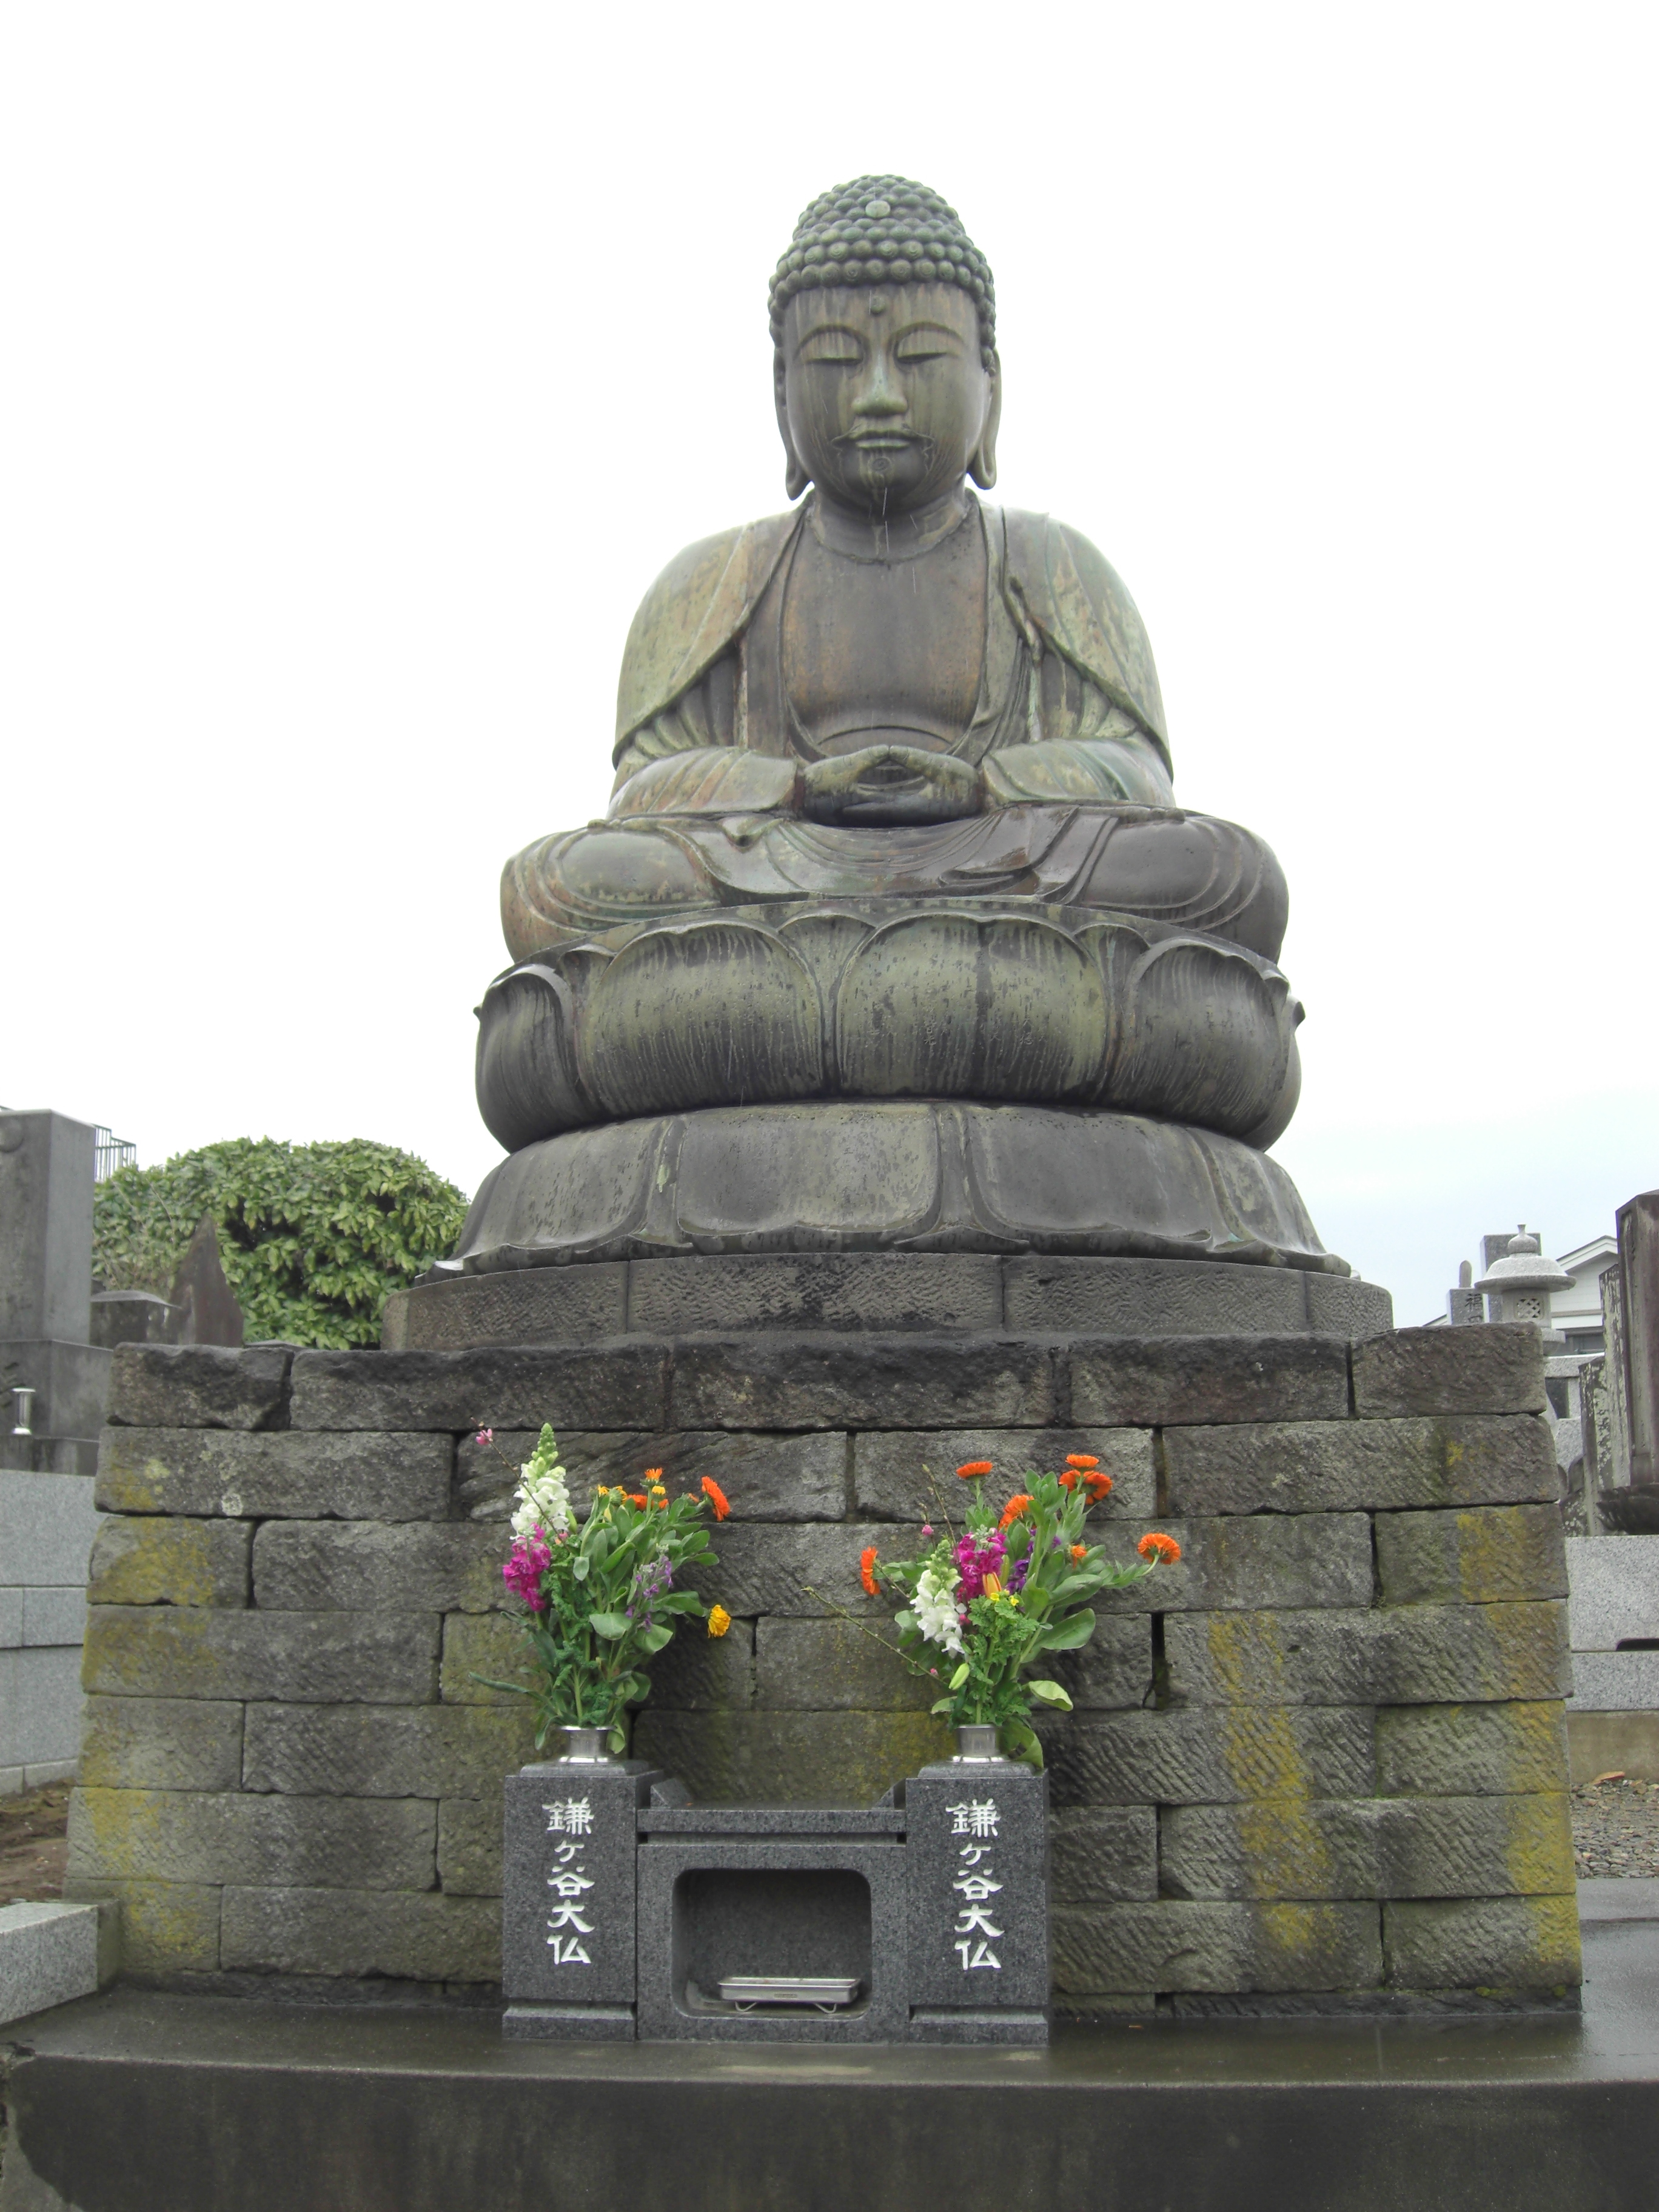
901	537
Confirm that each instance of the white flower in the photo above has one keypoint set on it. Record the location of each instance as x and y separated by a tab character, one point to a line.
935	1608
543	1503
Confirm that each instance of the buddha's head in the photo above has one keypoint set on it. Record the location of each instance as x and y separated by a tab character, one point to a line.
884	320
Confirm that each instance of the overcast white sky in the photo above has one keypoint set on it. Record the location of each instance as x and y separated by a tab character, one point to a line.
364	363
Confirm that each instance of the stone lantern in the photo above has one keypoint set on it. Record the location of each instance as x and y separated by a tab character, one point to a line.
1521	1283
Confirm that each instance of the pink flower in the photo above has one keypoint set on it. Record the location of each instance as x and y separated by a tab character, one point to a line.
486	1435
976	1560
523	1573
927	1527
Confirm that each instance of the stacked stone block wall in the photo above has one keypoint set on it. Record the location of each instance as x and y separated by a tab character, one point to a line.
1321	1761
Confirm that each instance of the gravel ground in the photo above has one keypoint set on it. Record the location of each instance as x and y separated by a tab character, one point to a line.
1615	1828
33	1845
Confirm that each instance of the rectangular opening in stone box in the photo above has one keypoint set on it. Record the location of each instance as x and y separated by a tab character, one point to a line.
784	1921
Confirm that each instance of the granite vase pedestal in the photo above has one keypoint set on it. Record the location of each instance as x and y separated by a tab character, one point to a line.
932	1908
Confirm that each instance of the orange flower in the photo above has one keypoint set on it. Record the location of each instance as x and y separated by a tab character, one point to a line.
719	1620
971	1469
1013	1509
1155	1545
993	1585
716	1497
637	1498
867	1571
1078	1552
653	1474
1081	1460
1068	1480
1097	1487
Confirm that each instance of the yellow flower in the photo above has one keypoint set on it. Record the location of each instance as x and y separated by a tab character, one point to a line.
719	1620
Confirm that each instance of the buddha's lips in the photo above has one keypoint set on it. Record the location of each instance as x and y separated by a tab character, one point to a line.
879	442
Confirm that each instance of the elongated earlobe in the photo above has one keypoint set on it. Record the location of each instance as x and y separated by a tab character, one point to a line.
795	479
982	467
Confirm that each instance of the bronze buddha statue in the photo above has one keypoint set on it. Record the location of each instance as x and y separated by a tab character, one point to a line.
893	653
893	836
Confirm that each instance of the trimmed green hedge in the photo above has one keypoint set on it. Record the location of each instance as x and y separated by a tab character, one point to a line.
313	1237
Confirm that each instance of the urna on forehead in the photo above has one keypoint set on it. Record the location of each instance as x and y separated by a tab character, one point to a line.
884	230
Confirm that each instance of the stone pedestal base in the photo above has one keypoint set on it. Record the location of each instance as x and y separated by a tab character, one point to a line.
1319	1764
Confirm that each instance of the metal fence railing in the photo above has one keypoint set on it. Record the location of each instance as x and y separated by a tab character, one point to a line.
110	1153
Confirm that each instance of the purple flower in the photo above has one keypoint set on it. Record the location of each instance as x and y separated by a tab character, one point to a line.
523	1573
486	1435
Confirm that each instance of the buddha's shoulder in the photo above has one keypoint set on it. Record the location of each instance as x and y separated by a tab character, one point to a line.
698	573
1042	546
1072	591
697	605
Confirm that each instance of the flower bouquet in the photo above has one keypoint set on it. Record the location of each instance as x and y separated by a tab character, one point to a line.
984	1606
599	1599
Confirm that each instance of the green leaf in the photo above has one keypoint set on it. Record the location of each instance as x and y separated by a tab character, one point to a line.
1051	1694
1024	1742
613	1626
655	1640
1067	1635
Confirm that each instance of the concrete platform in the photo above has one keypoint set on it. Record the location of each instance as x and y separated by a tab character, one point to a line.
132	2103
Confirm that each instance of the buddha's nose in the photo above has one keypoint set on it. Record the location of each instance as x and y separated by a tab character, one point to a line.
879	394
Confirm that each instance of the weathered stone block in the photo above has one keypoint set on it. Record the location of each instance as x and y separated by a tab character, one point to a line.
155	1651
1114	1669
196	1386
1454	1751
786	1758
1126	1382
1368	1847
469	1845
152	1561
524	1305
830	1665
1495	1369
166	1926
766	1477
1150	1298
770	1569
317	1566
891	1479
1244	1564
1325	1467
1174	1945
1426	1655
1103	1855
1483	1555
617	1384
1497	1942
853	1381
175	1835
477	1644
816	1290
387	1751
161	1743
394	1476
1339	1305
1222	1754
701	1673
348	1934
